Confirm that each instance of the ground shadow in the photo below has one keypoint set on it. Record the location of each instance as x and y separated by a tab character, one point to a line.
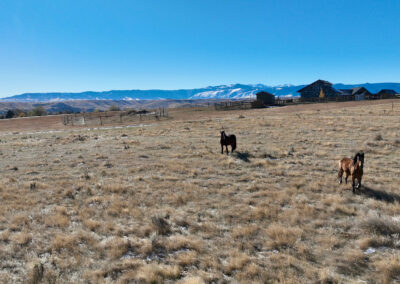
379	194
244	156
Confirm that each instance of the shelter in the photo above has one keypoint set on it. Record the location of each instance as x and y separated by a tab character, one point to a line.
264	99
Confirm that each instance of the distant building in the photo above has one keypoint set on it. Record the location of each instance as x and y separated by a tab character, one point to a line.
318	89
264	99
386	94
358	94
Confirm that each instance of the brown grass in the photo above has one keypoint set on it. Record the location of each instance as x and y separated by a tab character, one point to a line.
83	208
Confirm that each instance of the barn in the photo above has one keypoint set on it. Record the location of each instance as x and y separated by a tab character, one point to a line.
264	99
318	90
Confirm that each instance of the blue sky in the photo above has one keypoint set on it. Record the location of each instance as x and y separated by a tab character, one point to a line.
57	45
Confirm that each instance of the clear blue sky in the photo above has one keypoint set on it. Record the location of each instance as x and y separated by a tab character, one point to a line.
68	45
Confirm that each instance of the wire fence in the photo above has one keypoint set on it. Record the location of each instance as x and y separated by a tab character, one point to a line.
113	117
232	105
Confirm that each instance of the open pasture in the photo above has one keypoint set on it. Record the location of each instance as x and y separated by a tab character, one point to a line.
160	203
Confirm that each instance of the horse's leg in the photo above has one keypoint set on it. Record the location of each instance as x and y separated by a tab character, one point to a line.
340	174
346	176
227	151
353	180
359	182
222	149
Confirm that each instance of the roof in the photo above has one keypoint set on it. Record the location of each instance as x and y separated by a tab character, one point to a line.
265	93
319	82
387	91
354	91
346	92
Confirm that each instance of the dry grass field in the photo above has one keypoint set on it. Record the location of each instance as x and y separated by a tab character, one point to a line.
159	203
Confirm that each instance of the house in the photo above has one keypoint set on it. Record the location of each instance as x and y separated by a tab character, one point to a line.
361	93
264	99
358	94
386	94
320	89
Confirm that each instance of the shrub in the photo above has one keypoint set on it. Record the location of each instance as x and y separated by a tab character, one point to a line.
114	108
37	111
10	114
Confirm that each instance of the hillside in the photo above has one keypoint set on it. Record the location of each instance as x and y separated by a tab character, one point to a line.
91	105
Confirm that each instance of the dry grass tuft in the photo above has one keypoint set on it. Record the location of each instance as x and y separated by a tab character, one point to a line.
22	238
191	280
353	262
153	273
375	242
177	242
389	270
282	236
63	241
381	225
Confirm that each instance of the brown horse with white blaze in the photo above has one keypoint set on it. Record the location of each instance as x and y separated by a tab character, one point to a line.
352	167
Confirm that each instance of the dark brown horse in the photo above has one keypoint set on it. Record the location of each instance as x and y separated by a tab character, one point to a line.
227	140
352	167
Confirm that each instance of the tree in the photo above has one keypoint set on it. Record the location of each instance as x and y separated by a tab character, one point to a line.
37	111
10	113
114	108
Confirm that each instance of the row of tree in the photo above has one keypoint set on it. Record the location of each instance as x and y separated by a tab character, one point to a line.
13	113
41	111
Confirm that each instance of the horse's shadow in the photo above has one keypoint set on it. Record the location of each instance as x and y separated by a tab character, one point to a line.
244	156
380	195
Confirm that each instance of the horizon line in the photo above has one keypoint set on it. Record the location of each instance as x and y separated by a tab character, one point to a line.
179	89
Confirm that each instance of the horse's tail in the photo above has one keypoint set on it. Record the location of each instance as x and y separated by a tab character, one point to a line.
233	142
340	168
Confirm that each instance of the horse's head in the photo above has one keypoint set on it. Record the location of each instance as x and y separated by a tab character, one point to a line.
223	133
359	159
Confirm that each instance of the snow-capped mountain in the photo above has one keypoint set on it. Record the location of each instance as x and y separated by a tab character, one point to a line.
234	91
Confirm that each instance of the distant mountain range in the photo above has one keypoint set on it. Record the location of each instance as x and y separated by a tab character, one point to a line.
234	91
